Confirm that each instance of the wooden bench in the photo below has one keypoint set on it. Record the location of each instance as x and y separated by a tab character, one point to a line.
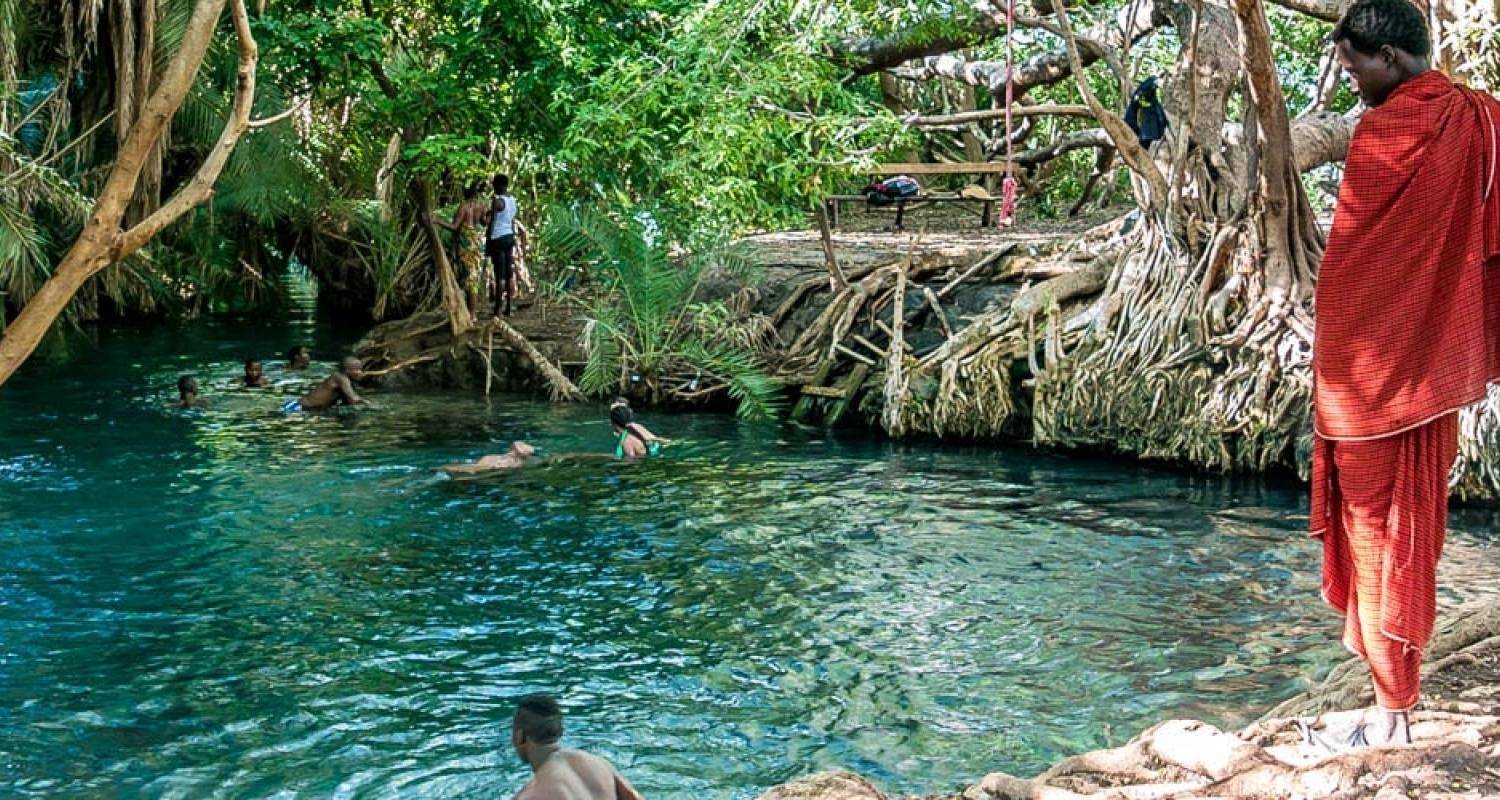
831	202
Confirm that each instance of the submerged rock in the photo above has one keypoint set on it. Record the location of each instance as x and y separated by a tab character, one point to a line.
826	786
1456	755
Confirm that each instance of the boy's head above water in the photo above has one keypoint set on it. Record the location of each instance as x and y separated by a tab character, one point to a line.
538	723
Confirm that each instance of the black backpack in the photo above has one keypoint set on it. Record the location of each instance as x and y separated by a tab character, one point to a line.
883	193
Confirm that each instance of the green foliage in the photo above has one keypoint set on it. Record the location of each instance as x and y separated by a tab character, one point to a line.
699	122
726	116
644	330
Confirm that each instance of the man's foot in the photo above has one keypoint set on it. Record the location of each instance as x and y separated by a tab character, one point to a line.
1393	728
1333	742
1388	729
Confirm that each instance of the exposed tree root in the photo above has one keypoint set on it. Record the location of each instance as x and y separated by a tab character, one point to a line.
424	346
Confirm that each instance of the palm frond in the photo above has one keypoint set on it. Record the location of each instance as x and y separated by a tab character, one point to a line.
758	396
24	264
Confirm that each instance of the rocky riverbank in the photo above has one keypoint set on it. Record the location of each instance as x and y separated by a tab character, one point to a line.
1456	755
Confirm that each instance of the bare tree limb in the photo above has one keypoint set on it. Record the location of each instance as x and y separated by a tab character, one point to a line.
920	42
1124	138
1078	140
93	250
1326	10
945	120
266	122
1318	138
201	187
966	117
1131	24
1286	223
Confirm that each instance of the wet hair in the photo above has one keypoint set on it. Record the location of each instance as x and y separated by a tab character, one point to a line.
502	184
351	361
186	384
621	417
1369	25
250	361
540	718
299	350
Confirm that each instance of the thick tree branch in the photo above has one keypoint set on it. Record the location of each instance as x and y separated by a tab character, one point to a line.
985	22
201	187
1318	138
92	250
1077	140
266	122
1124	139
934	36
966	117
956	120
1326	10
1286	222
1131	24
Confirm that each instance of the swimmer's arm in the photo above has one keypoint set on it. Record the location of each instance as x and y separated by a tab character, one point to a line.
345	388
623	789
649	436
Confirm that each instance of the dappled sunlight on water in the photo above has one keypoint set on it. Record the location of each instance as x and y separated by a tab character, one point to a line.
233	599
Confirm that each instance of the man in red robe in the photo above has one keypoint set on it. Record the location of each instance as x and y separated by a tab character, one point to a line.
1408	333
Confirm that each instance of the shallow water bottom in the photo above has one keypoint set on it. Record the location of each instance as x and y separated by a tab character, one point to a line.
241	603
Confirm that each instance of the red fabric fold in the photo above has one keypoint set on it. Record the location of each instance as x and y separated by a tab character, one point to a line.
1407	324
1387	507
1408	315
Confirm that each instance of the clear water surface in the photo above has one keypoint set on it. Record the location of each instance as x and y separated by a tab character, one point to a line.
238	603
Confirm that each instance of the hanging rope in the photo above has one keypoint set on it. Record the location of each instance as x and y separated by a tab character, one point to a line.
1008	186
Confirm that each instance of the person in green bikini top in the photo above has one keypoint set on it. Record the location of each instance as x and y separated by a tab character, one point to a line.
635	441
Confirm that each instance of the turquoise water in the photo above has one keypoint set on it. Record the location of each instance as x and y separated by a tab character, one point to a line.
233	602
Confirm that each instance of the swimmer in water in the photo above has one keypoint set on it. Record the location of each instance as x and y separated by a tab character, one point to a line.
520	454
255	375
558	773
298	358
635	440
187	393
336	389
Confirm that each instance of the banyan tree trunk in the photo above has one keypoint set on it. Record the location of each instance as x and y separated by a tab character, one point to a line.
1187	336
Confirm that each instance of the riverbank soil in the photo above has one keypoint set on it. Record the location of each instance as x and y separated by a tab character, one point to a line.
1456	755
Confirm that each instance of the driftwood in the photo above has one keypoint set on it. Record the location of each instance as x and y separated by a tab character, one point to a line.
937	311
825	234
562	388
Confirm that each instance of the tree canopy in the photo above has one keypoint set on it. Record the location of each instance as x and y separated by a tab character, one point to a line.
720	116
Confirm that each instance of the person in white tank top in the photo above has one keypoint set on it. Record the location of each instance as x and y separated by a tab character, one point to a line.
504	221
501	244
